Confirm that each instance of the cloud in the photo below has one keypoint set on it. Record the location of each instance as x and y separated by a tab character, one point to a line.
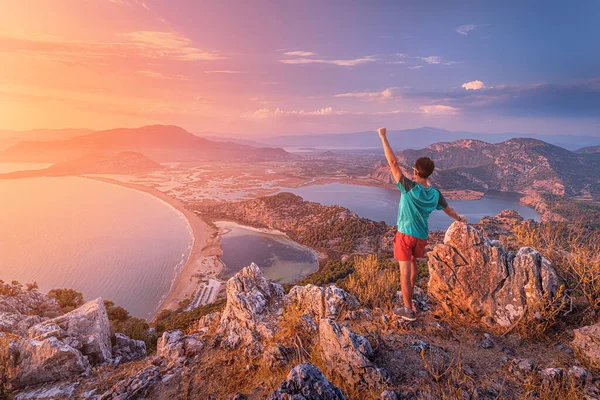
225	71
473	85
416	67
266	113
386	94
342	63
437	60
466	29
158	75
300	53
438	109
147	44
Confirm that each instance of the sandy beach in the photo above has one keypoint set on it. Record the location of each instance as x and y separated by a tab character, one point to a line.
203	259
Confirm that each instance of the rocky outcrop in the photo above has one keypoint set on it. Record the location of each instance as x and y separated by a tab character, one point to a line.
586	344
126	349
135	386
471	275
306	382
348	353
176	346
250	314
42	361
86	329
321	302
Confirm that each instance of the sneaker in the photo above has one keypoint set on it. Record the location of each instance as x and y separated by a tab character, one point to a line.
405	313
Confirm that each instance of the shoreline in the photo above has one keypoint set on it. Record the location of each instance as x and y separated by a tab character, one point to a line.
203	258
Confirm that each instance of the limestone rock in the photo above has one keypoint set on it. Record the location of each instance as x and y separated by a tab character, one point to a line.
25	301
321	302
86	329
250	313
306	382
175	345
348	353
135	386
470	275
36	362
586	344
128	349
50	391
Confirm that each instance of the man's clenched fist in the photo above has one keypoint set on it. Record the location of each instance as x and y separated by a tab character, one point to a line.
382	132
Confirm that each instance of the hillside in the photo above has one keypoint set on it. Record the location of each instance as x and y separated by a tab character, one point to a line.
589	150
159	142
10	138
517	165
121	163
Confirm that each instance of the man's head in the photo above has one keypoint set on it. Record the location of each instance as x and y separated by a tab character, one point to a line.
424	167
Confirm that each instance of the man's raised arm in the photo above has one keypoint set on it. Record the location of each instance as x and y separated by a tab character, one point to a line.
389	155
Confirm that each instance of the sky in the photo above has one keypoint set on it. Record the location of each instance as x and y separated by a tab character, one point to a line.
255	68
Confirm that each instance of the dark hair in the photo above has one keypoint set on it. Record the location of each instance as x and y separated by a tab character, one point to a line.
424	166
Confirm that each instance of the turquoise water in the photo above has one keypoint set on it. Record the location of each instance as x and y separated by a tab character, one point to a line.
381	204
100	239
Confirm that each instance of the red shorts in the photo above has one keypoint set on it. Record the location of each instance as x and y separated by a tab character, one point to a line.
406	247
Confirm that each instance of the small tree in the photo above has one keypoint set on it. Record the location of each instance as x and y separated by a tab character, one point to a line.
67	298
31	286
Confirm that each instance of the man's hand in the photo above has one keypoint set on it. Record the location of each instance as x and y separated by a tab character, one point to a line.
462	218
382	132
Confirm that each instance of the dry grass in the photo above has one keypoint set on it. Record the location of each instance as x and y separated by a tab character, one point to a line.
562	388
574	251
374	284
450	380
539	318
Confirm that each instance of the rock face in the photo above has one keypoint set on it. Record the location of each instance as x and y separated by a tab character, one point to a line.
306	382
86	329
126	349
43	361
348	352
321	302
175	345
472	275
252	304
586	344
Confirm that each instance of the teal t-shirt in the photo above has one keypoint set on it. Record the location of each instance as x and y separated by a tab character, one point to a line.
416	203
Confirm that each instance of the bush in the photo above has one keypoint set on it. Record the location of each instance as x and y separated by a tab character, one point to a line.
67	299
331	272
32	286
167	320
135	328
374	283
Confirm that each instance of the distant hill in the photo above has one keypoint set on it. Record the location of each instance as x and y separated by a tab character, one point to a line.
120	163
159	142
419	138
10	138
517	165
589	150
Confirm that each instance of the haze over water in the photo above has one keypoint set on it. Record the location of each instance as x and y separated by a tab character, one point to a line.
103	240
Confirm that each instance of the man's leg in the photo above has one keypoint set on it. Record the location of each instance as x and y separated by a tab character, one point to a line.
406	283
413	280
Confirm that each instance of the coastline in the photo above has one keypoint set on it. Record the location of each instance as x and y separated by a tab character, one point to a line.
203	258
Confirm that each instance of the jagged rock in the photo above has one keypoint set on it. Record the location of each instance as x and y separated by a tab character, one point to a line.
36	362
551	374
175	345
86	329
207	322
25	301
276	356
388	395
578	373
348	354
469	275
51	391
322	302
135	386
306	382
128	349
250	314
586	344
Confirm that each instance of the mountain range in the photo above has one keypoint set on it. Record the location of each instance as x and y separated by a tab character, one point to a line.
10	138
516	165
161	143
419	138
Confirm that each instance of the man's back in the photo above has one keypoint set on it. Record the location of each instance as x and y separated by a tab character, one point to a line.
416	203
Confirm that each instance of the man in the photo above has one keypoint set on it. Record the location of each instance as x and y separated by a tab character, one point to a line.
417	201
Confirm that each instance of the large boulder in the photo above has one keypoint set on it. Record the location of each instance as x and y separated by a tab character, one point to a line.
127	349
321	302
348	354
176	346
86	329
586	344
471	275
306	382
250	314
35	362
